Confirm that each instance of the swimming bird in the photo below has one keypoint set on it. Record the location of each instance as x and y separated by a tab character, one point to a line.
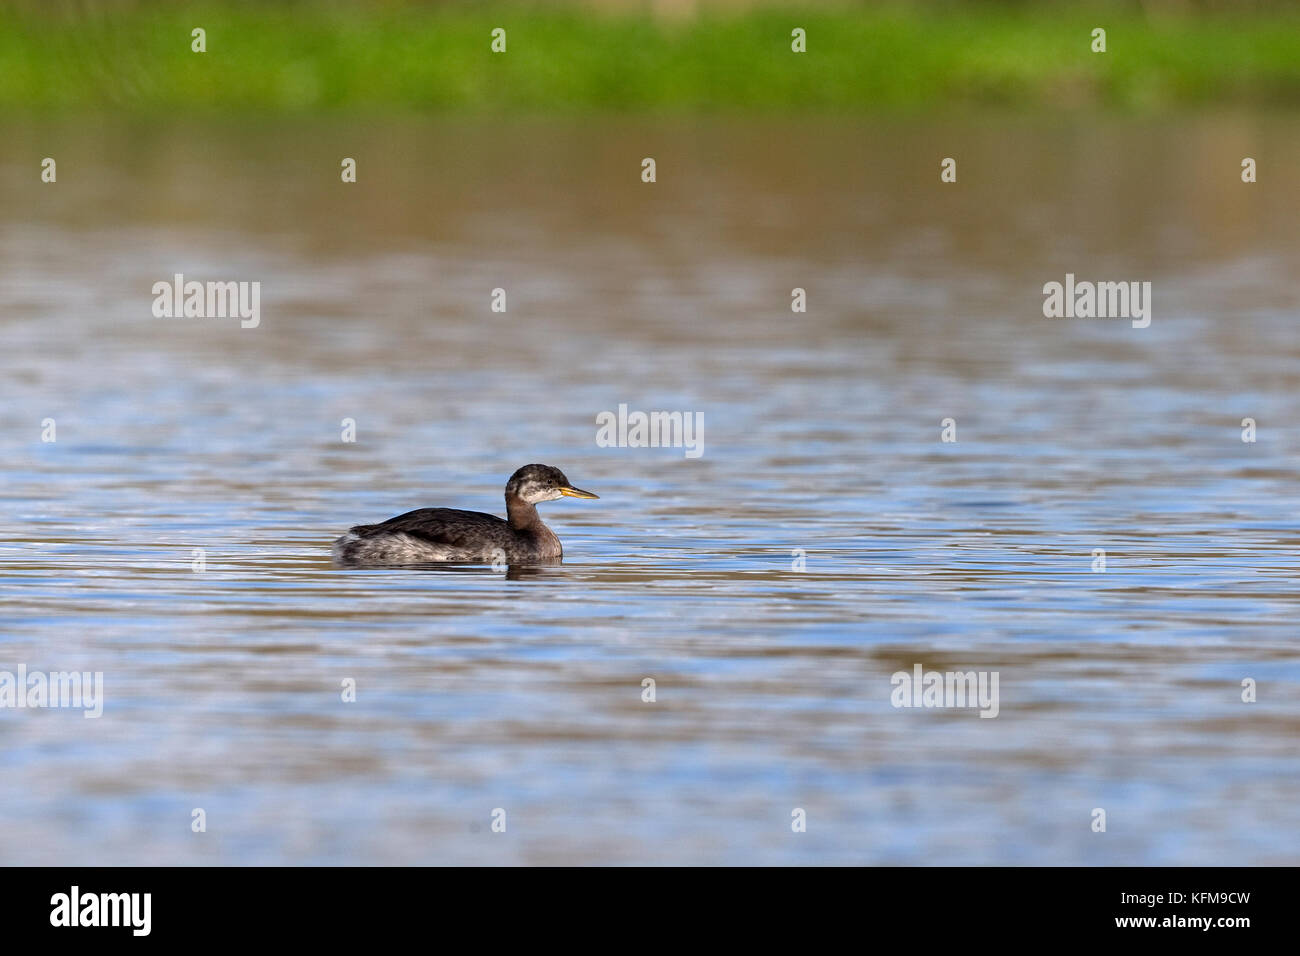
429	535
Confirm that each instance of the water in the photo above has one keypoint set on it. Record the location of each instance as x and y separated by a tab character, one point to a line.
522	690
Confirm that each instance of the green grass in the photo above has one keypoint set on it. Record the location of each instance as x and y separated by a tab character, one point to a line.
279	58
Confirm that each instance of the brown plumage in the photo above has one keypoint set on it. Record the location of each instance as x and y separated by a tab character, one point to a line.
438	535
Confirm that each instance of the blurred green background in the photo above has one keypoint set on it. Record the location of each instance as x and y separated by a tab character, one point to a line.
668	56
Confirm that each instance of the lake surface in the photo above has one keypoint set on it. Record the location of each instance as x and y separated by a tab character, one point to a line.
521	690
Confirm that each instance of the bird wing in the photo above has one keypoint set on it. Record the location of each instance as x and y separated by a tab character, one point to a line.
448	526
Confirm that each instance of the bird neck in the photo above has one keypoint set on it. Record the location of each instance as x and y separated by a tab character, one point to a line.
521	515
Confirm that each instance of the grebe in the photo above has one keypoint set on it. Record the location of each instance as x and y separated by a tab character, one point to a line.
429	535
